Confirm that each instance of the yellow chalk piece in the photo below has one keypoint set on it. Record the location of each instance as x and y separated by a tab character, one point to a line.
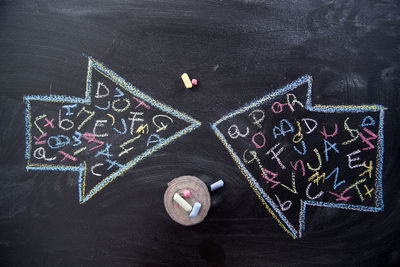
186	80
186	206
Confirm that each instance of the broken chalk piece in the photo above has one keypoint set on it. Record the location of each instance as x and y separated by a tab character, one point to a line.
186	206
195	210
186	193
186	80
217	185
194	81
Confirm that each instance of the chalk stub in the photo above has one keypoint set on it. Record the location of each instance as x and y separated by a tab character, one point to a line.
199	193
195	210
186	206
216	185
186	80
186	193
194	82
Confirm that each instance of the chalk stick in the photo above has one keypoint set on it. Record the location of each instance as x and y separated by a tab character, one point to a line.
186	80
195	210
186	206
217	185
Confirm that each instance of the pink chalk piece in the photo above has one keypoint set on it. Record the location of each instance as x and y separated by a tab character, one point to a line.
186	193
194	81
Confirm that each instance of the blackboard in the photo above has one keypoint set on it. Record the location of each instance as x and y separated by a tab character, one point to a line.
338	59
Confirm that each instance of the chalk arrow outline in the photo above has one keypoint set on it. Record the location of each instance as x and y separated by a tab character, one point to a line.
87	100
266	199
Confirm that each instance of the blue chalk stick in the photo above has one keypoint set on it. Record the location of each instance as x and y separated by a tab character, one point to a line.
217	185
195	210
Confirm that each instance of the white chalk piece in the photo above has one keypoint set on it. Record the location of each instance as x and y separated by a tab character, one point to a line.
186	206
195	210
186	80
217	185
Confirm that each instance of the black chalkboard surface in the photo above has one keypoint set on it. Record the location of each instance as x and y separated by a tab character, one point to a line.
296	110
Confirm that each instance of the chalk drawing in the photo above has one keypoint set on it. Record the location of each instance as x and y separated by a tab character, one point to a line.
295	154
102	135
